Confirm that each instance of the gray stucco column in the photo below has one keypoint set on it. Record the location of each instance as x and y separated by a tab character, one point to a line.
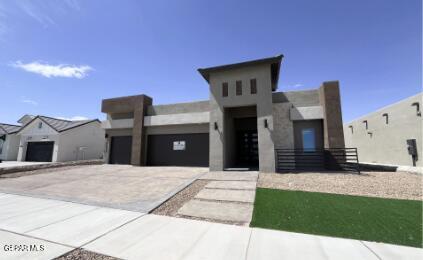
217	143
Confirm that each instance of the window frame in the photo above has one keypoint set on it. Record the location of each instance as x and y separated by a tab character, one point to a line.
225	89
313	135
238	87
253	86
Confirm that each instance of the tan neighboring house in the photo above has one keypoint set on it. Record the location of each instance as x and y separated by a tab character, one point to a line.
9	142
47	139
391	135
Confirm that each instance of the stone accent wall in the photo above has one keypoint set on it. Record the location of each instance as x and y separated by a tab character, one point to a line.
330	100
283	133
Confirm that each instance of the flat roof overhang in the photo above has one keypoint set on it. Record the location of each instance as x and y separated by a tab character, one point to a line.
124	104
275	64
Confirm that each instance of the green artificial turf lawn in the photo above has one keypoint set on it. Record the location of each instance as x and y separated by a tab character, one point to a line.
372	219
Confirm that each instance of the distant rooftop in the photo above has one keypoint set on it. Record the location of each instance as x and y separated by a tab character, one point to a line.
8	129
61	125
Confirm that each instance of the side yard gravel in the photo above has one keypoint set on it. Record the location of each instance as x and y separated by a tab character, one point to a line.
397	185
81	254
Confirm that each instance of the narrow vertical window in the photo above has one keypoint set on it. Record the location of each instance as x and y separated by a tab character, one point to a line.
309	139
253	86
40	125
224	89
238	87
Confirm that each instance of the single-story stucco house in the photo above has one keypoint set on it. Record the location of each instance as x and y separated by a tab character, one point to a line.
391	135
9	142
47	139
240	126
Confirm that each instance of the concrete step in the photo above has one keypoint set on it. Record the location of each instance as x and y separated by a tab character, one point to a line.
227	195
232	185
225	211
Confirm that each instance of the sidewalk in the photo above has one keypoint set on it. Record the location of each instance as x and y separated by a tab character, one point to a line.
63	226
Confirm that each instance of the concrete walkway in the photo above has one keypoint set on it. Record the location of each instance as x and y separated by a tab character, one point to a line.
59	227
228	198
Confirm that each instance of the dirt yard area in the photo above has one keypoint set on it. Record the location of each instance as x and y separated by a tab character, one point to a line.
397	185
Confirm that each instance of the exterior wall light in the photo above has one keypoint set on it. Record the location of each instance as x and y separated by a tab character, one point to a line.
266	125
417	105
386	118
367	125
216	126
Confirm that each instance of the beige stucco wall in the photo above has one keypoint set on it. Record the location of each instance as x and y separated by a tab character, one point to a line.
10	148
90	136
386	143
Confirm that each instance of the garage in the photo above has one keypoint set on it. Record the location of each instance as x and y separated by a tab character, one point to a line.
39	151
120	150
178	150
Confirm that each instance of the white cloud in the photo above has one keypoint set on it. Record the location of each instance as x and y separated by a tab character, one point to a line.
61	70
29	101
73	118
298	85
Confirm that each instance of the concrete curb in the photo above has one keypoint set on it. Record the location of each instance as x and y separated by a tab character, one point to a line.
14	169
364	166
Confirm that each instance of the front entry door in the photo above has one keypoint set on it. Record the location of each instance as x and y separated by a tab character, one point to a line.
247	148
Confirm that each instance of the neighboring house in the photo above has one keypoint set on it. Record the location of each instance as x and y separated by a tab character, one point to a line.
385	136
9	142
48	139
240	126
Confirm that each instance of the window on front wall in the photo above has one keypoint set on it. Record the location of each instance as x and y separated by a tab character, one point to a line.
224	89
2	138
238	87
40	125
253	86
309	139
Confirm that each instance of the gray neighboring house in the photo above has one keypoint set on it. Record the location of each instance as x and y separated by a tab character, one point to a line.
9	142
47	139
240	126
381	136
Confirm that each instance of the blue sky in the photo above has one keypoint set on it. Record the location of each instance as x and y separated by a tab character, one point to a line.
61	58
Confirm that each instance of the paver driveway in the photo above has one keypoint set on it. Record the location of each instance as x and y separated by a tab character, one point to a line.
117	186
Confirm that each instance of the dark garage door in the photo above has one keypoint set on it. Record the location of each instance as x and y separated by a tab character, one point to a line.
178	150
120	150
39	151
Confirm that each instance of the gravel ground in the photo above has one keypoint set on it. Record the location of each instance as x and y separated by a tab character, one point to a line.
397	185
171	207
81	254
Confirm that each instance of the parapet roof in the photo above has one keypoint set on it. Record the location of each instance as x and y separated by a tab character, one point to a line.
275	63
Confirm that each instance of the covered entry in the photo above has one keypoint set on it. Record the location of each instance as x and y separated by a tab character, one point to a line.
120	150
178	150
241	138
39	152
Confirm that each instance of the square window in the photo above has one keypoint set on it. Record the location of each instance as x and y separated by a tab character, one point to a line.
238	87
224	89
253	86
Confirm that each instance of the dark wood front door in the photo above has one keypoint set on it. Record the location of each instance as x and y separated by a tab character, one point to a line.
247	148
